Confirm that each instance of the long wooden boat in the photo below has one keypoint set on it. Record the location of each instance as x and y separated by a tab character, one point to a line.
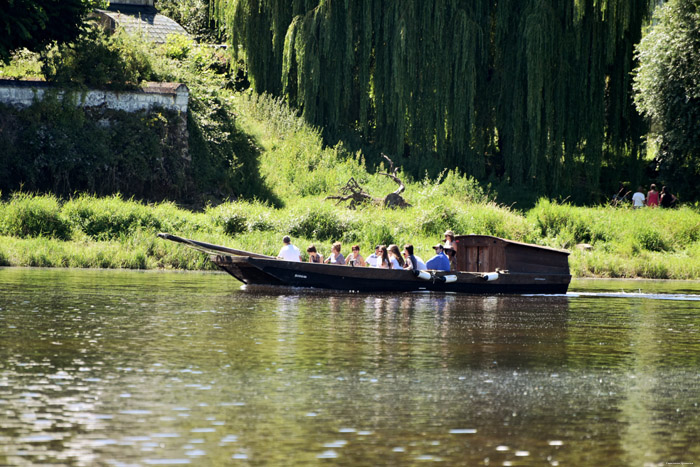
486	265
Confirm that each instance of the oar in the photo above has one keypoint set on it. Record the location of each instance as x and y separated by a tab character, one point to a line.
210	247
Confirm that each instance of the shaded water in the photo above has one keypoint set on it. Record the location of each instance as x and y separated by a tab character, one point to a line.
144	368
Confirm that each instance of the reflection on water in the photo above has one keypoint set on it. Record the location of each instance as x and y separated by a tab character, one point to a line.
131	368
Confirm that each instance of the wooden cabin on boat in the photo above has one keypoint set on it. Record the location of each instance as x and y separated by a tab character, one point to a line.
484	253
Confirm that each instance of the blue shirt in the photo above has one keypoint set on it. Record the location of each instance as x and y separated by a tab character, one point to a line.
439	262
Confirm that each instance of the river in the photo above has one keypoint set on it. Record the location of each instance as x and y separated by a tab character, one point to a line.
164	368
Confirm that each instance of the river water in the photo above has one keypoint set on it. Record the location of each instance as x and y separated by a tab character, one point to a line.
164	368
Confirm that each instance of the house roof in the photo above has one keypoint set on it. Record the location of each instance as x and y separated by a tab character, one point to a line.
137	19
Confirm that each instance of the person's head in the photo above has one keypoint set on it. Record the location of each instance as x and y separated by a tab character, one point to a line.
336	247
408	249
394	251
653	187
449	236
438	248
356	249
663	189
640	189
311	249
286	240
383	252
377	250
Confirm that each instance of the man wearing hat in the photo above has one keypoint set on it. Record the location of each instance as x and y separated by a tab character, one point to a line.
439	262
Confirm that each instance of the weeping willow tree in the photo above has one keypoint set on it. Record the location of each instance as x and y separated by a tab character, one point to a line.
535	93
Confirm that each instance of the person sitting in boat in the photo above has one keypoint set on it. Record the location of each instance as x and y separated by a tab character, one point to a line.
411	262
382	258
355	258
374	257
397	261
336	257
314	257
289	252
439	262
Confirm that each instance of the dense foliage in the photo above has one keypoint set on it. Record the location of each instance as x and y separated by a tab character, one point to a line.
535	94
98	59
668	91
34	24
57	147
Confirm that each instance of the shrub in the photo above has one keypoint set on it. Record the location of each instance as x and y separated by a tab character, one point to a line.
99	59
553	219
241	216
109	218
28	215
320	224
651	239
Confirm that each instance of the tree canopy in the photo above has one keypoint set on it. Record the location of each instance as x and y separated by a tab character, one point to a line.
532	93
34	24
667	85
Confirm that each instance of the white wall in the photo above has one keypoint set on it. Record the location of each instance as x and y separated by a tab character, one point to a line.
171	96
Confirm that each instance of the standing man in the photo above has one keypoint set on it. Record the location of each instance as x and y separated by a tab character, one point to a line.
289	252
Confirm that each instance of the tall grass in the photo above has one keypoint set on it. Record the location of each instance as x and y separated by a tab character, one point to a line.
30	215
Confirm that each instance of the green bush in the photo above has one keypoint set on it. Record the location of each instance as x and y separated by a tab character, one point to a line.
109	218
99	59
232	220
29	215
320	224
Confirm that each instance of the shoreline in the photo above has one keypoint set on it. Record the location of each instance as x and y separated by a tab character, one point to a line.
219	272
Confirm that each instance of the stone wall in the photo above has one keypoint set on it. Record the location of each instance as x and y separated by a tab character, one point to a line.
132	2
172	96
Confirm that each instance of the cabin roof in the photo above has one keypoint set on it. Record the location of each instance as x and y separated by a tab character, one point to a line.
513	242
140	19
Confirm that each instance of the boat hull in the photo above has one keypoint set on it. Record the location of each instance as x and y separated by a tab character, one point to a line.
261	271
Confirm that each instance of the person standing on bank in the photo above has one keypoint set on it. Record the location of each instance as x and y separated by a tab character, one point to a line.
638	198
667	198
289	252
653	197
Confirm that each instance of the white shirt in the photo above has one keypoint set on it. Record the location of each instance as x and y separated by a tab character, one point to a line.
372	260
638	199
394	263
421	264
290	253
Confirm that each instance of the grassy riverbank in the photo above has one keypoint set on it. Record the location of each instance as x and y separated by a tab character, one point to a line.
112	232
115	233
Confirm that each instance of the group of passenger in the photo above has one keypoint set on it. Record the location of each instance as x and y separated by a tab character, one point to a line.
652	199
387	257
